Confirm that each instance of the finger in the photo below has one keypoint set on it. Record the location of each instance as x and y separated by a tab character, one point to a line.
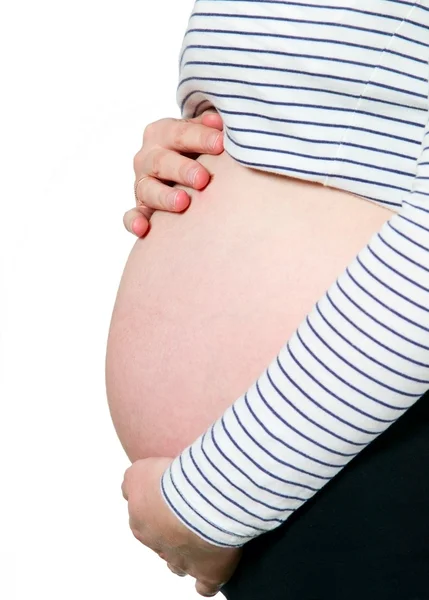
207	589
167	165
192	137
210	118
136	220
155	195
176	570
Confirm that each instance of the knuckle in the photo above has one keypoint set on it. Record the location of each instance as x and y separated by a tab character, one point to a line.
125	482
154	130
128	475
137	162
142	191
159	156
205	139
179	136
150	131
185	170
136	533
162	200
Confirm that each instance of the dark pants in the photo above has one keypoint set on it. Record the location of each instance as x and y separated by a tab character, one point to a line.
365	536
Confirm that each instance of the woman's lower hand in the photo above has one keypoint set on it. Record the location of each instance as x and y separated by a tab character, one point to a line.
156	526
162	159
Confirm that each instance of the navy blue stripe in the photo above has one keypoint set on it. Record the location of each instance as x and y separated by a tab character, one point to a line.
281	86
328	391
333	159
396	205
389	308
332	142
425	210
273	456
313	401
408	238
396	292
323	7
241	490
199	110
269	167
307	39
415	224
283	443
322	107
365	375
324	125
401	254
306	73
210	502
329	7
373	339
301	55
340	109
286	2
413	5
297	431
354	10
371	358
383	262
253	461
182	518
323	24
371	316
246	475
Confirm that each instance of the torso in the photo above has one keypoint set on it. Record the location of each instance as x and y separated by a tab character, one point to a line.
209	297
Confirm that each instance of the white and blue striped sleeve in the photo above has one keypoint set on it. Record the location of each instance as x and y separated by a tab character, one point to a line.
358	361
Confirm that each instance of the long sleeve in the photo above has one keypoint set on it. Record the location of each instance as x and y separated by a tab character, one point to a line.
357	362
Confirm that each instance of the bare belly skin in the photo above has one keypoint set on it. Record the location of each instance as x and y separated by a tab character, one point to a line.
210	296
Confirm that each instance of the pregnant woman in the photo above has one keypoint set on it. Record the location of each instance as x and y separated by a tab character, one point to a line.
323	185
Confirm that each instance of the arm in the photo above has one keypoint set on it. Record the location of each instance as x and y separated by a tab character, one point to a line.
353	367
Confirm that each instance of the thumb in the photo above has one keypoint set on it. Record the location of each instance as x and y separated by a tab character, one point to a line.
136	220
210	118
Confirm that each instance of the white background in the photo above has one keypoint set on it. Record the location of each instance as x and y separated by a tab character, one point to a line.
79	81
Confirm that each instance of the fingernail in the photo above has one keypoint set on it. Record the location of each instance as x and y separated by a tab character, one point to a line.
140	227
192	175
135	227
212	141
171	199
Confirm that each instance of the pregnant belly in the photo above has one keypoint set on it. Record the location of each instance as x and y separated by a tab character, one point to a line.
209	297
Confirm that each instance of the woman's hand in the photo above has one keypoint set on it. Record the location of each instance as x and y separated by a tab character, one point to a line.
162	159
155	525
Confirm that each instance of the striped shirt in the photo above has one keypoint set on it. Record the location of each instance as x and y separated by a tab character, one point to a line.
338	94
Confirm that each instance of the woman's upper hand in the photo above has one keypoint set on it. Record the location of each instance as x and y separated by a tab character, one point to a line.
162	159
